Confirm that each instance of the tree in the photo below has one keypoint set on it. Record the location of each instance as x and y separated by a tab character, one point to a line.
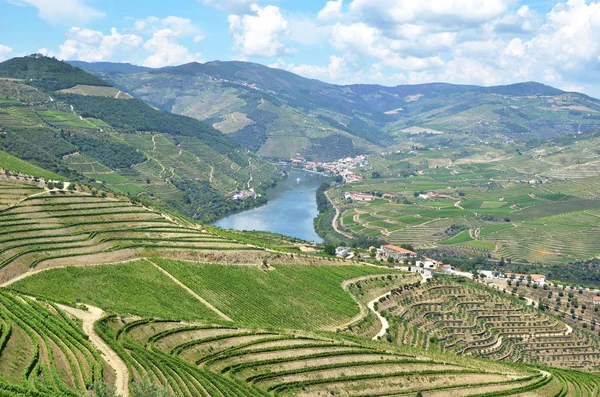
390	259
373	253
329	249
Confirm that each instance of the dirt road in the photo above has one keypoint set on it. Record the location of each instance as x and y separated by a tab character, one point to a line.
88	318
335	218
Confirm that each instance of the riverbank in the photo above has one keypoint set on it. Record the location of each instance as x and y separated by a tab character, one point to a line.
290	209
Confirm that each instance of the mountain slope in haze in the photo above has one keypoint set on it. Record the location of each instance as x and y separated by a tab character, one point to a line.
122	144
278	114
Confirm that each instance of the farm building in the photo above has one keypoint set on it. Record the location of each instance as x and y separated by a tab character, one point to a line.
396	252
359	196
596	300
342	252
538	279
431	263
487	273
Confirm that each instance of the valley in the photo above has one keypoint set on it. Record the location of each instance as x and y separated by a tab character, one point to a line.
147	253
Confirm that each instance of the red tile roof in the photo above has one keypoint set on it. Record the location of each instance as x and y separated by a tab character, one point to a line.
399	249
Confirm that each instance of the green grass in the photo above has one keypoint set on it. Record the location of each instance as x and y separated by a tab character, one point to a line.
303	297
135	287
15	164
461	237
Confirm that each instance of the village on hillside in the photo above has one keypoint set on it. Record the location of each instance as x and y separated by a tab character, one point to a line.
342	167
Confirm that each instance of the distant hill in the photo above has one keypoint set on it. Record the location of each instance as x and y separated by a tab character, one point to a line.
278	114
84	131
47	73
109	67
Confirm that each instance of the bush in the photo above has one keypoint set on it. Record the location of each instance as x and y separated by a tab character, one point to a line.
145	388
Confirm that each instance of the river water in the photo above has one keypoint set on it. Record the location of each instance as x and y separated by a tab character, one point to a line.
291	209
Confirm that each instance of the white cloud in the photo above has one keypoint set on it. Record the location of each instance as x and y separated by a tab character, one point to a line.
360	38
4	51
459	12
332	11
413	63
336	70
166	50
61	12
182	26
93	46
261	33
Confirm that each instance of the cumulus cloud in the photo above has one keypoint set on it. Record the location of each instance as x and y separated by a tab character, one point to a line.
167	51
259	34
361	39
4	51
182	26
335	70
455	12
331	11
61	12
94	46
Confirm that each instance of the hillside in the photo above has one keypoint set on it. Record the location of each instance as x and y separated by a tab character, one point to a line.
278	114
125	294
64	120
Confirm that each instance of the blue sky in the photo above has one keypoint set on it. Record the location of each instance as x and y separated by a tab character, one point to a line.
341	41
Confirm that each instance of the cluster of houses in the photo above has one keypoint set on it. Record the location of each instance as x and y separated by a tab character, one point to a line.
537	279
341	167
244	194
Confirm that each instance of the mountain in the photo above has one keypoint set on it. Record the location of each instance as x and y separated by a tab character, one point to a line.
109	67
69	122
278	114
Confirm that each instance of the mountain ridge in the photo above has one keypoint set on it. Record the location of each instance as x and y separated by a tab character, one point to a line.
184	68
279	114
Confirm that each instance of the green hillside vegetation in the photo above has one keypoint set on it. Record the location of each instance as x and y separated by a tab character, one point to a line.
200	314
15	164
279	114
47	73
532	206
128	147
126	288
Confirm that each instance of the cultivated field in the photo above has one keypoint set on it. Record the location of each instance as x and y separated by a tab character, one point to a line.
464	318
508	208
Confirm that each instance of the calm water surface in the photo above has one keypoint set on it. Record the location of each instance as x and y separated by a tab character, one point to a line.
291	209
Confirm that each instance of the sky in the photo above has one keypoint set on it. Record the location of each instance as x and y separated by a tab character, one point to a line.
389	42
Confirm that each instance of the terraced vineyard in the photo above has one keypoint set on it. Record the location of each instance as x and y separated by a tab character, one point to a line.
199	359
481	209
218	330
467	319
43	349
40	229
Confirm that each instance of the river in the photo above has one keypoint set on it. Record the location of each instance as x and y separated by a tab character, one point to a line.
291	209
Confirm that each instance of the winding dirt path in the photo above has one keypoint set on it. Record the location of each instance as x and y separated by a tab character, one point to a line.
334	221
195	295
88	319
384	322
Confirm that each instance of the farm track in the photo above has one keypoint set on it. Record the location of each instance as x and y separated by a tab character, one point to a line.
189	290
88	319
334	221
